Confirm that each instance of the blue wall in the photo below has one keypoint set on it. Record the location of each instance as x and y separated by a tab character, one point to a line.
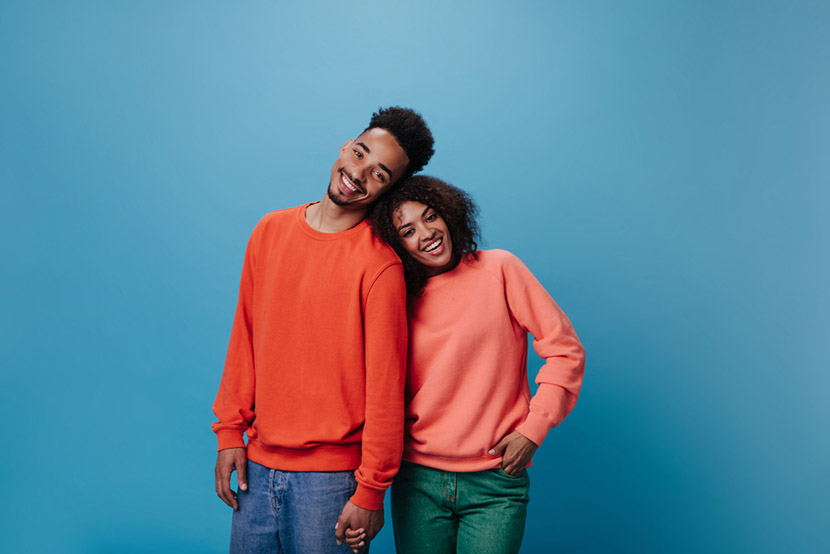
661	166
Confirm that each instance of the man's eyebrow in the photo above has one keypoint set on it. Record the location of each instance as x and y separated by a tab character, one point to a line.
383	167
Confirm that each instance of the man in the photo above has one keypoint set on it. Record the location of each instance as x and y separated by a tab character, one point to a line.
315	366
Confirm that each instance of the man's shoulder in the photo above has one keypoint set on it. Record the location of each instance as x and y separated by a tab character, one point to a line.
371	253
378	245
278	217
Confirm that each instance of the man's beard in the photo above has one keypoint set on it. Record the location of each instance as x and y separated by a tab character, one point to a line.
335	198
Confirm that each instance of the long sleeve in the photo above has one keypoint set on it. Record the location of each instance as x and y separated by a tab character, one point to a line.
235	401
314	370
385	350
555	340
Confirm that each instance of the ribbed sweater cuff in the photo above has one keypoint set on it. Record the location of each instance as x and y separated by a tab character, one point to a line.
230	438
535	427
369	499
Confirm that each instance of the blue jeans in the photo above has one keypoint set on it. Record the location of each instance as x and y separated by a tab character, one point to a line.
290	512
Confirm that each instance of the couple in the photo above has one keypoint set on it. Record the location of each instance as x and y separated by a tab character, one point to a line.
317	374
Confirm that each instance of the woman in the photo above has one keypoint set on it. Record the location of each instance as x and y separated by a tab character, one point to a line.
471	424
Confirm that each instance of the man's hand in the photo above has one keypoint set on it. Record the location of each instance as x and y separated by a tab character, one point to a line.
518	450
227	461
362	522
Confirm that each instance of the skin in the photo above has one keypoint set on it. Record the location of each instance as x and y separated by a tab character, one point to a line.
425	236
516	451
356	534
365	168
419	229
371	163
228	461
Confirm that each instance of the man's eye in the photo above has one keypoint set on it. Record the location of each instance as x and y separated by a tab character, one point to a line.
359	154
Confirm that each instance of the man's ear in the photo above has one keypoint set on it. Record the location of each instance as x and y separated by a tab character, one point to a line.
347	145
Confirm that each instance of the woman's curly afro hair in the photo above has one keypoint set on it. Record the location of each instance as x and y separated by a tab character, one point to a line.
453	205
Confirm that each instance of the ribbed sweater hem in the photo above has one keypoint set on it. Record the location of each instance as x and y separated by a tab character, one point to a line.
318	458
314	458
446	463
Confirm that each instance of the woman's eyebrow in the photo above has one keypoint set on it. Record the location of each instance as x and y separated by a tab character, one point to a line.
422	215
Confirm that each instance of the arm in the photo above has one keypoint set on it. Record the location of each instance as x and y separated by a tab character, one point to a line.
382	440
235	400
555	340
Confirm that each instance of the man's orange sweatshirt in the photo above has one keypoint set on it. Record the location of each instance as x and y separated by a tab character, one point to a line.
315	367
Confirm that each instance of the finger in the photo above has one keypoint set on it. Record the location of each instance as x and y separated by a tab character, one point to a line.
354	533
225	492
501	445
242	472
508	464
340	529
355	542
218	479
223	485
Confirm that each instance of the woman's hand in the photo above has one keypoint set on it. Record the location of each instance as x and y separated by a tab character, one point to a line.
518	450
356	539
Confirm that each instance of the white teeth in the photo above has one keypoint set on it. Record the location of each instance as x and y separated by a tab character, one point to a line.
432	246
348	183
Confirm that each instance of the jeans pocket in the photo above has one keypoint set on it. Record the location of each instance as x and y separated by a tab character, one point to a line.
503	473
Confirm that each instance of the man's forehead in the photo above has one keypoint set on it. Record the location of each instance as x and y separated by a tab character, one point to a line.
380	138
384	146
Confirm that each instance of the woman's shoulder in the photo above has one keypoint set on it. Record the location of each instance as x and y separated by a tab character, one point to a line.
496	263
497	257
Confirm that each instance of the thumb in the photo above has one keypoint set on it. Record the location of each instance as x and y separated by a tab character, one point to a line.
340	529
242	472
500	446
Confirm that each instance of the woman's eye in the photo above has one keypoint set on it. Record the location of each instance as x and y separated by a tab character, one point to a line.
430	218
407	233
379	176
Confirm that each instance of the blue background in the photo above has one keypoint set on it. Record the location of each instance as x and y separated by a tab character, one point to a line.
661	166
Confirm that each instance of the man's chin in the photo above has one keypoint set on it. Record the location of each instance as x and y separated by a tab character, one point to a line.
336	198
343	203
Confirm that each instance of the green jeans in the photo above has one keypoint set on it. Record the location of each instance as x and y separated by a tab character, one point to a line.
444	512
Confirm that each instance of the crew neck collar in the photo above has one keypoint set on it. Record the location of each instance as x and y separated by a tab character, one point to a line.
312	232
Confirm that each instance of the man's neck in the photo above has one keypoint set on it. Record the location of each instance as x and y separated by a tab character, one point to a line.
328	217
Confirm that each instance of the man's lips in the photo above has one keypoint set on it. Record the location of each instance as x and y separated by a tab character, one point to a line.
347	184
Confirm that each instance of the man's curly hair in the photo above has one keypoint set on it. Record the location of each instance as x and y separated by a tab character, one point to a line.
411	132
454	206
